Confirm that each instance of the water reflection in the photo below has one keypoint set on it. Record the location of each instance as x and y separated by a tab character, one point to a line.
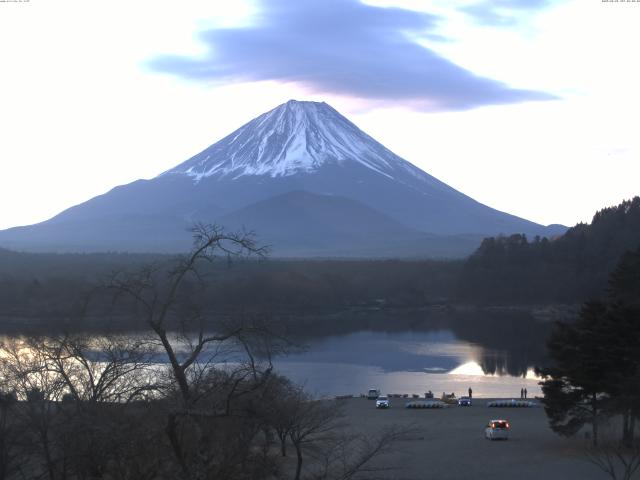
402	351
469	368
329	379
492	353
472	368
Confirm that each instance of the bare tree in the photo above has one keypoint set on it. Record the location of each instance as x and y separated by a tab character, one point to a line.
281	400
311	422
350	456
210	371
11	436
157	291
105	368
26	373
325	447
618	461
617	458
73	391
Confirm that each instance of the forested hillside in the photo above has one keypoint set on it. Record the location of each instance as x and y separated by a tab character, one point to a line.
570	268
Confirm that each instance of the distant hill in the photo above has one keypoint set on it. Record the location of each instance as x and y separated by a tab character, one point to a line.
572	267
300	223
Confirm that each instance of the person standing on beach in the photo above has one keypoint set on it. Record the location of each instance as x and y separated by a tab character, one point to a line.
525	392
470	393
521	393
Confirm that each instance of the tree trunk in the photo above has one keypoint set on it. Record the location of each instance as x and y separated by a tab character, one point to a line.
299	463
626	425
282	436
594	419
172	433
178	371
48	460
46	447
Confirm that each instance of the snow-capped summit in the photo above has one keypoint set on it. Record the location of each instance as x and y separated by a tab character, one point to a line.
292	138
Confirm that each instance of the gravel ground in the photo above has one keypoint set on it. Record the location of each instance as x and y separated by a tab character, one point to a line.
449	443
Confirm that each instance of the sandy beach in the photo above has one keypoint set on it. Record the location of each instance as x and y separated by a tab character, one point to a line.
449	443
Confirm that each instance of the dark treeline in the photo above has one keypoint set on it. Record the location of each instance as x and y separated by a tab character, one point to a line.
504	270
53	286
35	287
337	283
568	269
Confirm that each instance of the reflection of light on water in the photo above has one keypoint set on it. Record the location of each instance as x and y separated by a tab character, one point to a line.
443	348
328	379
469	368
531	374
473	368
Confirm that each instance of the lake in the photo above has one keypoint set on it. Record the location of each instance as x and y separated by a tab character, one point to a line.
412	352
494	355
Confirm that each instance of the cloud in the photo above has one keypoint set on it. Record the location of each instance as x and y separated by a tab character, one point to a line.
343	47
505	13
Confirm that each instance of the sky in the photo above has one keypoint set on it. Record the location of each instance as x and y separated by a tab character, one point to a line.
528	106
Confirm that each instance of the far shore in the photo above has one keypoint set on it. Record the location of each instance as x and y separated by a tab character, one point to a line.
37	324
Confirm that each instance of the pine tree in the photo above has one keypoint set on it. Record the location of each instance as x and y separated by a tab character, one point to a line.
575	387
596	360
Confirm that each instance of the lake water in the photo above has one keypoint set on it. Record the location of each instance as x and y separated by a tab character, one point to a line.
494	358
492	353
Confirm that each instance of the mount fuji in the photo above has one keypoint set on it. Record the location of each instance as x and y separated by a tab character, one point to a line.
306	179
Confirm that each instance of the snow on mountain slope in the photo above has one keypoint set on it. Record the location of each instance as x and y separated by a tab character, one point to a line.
310	146
297	137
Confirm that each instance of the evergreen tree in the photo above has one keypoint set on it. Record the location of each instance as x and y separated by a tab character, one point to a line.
596	360
624	314
574	388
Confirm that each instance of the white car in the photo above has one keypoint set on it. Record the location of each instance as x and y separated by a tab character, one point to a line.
497	430
373	393
382	402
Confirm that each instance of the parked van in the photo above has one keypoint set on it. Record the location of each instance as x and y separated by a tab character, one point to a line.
373	393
